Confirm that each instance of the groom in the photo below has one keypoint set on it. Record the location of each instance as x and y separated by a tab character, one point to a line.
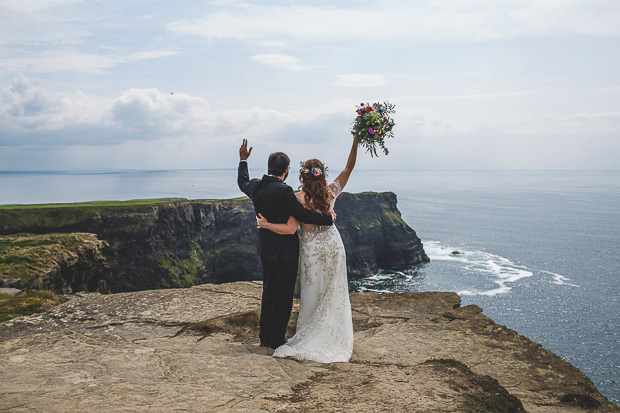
279	254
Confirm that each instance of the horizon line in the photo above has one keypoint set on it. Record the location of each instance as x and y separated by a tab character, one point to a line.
94	171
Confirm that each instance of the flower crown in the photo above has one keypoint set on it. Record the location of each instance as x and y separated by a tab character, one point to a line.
313	171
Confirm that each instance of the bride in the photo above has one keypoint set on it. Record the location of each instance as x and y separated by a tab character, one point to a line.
324	325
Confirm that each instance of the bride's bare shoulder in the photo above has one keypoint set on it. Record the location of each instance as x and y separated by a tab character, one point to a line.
300	196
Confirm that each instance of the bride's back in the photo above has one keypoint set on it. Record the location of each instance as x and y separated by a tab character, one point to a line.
332	191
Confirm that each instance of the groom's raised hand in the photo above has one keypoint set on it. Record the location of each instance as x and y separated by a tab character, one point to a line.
244	153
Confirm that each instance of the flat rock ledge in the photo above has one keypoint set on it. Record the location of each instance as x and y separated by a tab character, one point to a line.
196	349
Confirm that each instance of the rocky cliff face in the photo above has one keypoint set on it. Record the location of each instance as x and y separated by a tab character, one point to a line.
374	234
184	243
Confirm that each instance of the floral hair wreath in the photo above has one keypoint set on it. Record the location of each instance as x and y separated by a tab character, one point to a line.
313	171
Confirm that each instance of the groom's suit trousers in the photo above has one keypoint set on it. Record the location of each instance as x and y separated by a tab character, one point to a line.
278	286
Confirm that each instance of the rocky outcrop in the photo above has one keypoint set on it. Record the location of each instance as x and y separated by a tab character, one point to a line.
183	243
196	349
60	262
375	235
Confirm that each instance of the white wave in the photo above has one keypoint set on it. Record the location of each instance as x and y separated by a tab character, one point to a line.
560	279
501	290
373	290
436	252
502	270
383	275
486	274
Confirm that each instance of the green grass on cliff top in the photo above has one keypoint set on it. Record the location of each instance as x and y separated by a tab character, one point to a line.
27	303
104	203
92	203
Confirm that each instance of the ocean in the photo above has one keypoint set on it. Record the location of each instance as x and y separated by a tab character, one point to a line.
537	250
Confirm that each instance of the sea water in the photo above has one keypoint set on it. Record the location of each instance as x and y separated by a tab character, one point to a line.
537	250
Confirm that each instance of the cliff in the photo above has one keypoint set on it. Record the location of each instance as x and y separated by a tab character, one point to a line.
137	245
196	349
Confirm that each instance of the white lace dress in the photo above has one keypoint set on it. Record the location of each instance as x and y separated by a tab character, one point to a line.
324	326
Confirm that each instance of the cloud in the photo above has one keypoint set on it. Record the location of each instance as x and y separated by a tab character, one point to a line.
52	61
279	60
28	105
34	117
49	36
359	80
149	54
149	113
471	96
58	60
407	21
34	22
32	6
32	114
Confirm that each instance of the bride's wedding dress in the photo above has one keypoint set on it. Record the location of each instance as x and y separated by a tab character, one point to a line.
324	326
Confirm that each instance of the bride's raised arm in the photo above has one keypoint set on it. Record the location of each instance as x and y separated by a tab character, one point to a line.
343	177
289	228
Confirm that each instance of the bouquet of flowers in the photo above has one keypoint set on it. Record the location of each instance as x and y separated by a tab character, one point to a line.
372	125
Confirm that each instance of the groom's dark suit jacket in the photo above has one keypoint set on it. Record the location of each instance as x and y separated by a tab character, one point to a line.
276	201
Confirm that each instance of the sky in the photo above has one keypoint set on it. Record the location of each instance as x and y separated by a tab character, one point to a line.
477	84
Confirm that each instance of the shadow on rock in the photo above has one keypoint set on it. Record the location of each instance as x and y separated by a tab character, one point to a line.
243	326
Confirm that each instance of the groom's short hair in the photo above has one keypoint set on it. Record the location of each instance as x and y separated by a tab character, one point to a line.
278	161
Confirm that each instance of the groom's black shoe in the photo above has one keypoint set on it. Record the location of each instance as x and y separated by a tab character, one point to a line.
284	342
278	345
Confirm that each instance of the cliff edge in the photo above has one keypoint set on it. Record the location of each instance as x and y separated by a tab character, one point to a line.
138	245
196	349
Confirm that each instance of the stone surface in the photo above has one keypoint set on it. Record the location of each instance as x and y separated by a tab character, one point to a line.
10	282
183	243
196	349
12	291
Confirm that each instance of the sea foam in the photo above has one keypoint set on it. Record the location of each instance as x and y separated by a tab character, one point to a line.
500	270
560	279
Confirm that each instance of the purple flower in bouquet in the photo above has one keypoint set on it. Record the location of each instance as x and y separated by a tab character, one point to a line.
371	131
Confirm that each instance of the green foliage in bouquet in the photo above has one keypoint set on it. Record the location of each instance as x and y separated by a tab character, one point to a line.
372	125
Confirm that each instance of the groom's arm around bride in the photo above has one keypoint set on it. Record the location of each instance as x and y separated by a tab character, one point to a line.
272	198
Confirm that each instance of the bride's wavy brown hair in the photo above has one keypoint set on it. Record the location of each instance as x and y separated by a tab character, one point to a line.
315	187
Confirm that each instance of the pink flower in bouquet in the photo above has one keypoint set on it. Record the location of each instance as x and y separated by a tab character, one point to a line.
371	131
